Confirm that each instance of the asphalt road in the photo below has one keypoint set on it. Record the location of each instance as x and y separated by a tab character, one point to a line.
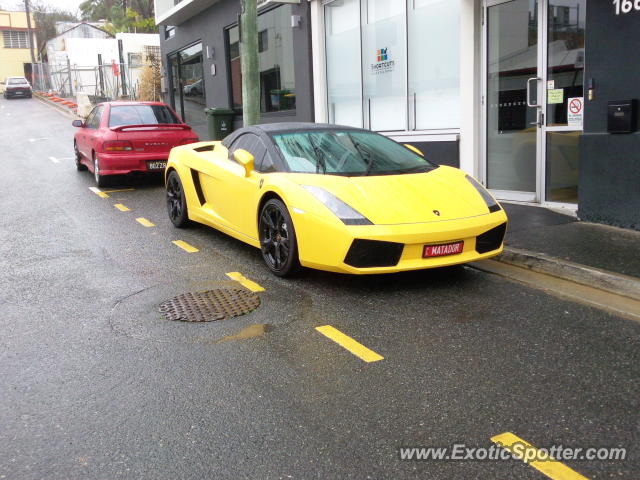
97	385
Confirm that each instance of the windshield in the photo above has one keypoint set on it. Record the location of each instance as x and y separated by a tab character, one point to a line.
17	81
349	153
140	115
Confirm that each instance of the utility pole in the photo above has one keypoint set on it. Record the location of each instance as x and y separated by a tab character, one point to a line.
30	33
249	62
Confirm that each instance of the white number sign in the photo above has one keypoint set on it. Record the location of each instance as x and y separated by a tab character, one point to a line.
625	6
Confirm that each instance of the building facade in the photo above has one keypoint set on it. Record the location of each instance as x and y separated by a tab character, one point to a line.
14	47
201	63
536	98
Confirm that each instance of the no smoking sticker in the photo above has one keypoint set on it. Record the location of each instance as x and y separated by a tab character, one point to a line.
575	110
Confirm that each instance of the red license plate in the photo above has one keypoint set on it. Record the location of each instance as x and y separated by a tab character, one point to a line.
442	250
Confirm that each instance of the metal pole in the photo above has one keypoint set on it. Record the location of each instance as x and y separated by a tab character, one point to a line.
123	78
30	33
69	73
249	62
101	75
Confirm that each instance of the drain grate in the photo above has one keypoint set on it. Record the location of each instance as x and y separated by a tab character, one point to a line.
210	305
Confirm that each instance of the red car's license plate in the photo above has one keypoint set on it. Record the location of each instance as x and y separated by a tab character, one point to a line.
442	250
156	165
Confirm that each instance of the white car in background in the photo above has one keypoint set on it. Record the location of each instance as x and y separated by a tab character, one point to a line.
16	87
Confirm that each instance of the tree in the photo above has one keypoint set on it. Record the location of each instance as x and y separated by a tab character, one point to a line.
149	86
46	17
121	15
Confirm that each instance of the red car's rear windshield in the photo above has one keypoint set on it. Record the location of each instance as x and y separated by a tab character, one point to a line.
140	115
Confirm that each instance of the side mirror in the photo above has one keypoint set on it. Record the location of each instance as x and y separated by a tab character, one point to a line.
245	159
414	149
1	83
77	123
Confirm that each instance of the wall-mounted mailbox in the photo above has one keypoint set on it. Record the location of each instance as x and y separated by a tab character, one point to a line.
621	116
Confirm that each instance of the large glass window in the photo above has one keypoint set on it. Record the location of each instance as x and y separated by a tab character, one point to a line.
434	63
565	56
277	76
373	80
344	81
384	64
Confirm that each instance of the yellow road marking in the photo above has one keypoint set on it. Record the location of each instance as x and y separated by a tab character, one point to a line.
526	452
185	246
143	221
121	207
245	282
98	192
121	190
349	343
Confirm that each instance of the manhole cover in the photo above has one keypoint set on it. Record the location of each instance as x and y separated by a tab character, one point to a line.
210	305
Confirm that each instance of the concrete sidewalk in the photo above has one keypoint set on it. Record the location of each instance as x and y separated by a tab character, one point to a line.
598	256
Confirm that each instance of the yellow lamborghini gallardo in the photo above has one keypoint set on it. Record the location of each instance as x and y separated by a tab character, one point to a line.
333	198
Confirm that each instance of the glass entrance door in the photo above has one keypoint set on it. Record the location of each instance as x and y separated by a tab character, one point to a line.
534	59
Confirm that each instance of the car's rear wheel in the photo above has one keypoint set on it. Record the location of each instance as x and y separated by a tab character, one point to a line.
79	165
101	180
176	201
278	239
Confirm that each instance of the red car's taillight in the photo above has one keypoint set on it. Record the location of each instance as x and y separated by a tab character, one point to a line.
186	141
117	146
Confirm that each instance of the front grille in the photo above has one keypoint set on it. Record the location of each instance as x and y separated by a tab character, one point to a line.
373	253
491	239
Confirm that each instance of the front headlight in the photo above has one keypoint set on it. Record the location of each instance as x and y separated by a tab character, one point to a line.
491	202
344	212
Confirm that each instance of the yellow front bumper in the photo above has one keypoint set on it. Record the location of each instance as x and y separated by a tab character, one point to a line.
324	243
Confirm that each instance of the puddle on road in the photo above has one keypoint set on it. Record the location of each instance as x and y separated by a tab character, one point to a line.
249	332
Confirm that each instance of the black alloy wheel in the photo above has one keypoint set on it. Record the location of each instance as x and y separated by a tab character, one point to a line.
176	201
79	165
278	239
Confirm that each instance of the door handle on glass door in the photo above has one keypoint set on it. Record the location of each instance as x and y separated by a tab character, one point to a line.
540	121
529	103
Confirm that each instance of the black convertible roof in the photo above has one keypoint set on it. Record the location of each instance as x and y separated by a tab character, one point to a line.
297	126
266	129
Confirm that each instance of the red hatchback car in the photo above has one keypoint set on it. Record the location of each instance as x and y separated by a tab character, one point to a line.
118	138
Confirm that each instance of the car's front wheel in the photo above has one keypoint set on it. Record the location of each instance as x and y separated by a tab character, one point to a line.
176	201
278	239
101	180
79	165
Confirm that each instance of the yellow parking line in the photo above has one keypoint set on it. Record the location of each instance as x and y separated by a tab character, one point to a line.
526	452
98	192
349	343
121	207
245	282
121	190
143	221
185	246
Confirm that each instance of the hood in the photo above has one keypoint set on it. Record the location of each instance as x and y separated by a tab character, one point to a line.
408	198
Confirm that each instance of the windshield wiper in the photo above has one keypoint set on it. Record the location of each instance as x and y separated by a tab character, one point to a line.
364	153
319	156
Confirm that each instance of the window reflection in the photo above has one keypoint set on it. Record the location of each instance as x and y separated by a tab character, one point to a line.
275	47
188	96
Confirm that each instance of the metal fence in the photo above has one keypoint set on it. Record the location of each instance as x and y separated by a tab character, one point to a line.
101	82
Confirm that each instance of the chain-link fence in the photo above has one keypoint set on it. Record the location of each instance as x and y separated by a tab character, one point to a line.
101	82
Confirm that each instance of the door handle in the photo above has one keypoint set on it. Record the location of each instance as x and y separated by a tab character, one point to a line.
529	104
540	121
